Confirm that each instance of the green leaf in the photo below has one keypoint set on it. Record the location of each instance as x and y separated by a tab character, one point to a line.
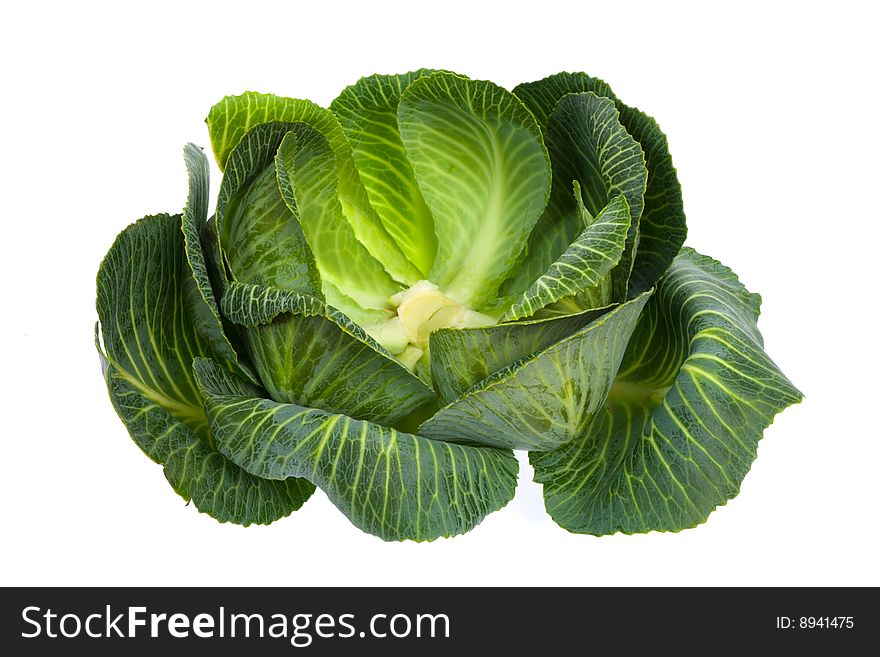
234	116
202	304
597	296
369	318
542	96
461	358
585	263
481	165
367	112
588	145
259	235
217	274
150	343
395	485
307	166
548	398
308	353
681	425
591	298
218	278
662	228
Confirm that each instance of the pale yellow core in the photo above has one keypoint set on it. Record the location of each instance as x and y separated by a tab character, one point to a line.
422	309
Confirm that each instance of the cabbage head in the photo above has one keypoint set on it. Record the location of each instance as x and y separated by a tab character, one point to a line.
395	293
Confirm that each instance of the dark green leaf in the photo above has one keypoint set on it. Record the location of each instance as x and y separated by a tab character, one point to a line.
202	304
549	398
541	97
662	228
150	343
461	358
681	425
395	485
587	144
259	235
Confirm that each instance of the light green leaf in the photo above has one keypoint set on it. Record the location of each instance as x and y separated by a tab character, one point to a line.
308	353
259	235
681	425
234	116
395	485
333	237
583	265
367	112
547	399
307	166
461	358
662	228
202	304
482	168
368	317
150	343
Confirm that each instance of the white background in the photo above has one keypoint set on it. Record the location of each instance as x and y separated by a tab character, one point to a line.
771	113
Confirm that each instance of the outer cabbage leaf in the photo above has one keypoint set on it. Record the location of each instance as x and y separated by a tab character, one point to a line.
202	304
681	425
150	343
395	485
